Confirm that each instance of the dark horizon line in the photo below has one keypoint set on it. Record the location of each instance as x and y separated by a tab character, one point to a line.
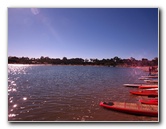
79	57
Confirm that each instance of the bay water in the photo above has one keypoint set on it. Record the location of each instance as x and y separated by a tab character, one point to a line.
59	93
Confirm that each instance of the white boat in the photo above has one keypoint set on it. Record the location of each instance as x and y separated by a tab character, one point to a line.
149	76
137	84
152	89
151	81
143	78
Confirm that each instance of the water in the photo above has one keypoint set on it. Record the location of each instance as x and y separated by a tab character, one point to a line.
69	93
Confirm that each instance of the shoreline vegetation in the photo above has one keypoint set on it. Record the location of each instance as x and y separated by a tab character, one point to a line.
143	64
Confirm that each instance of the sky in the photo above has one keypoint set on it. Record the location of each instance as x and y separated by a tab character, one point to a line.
83	32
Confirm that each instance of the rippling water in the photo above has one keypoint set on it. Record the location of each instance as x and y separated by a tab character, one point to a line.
69	93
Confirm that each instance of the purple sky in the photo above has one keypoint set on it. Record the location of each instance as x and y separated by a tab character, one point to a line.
83	32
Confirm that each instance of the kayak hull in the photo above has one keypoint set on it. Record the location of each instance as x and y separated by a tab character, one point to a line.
150	101
146	87
132	108
152	93
151	81
136	85
156	76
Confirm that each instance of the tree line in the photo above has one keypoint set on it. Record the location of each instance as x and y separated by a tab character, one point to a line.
115	61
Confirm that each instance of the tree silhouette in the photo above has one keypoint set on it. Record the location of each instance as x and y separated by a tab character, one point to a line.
115	61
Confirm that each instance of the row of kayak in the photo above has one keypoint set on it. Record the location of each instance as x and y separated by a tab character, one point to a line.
146	107
148	89
150	79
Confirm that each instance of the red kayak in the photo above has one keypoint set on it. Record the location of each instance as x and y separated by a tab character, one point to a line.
152	93
132	108
146	87
149	101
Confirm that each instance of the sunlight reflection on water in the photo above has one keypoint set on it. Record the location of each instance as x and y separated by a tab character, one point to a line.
67	93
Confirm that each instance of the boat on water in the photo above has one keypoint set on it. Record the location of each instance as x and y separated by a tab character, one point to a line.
132	108
149	101
136	85
152	93
152	89
147	87
147	77
143	78
152	76
151	81
132	85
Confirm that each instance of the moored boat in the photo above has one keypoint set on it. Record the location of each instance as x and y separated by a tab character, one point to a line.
152	89
152	93
151	81
148	86
136	85
152	76
132	108
149	101
143	78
